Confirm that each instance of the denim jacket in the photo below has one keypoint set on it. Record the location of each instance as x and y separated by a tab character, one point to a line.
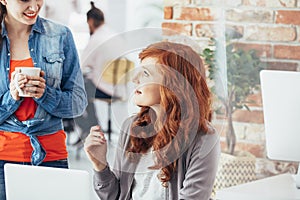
52	49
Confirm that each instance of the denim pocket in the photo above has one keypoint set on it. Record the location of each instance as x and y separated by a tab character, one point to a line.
53	69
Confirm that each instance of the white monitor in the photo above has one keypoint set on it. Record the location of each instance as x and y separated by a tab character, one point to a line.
45	183
281	107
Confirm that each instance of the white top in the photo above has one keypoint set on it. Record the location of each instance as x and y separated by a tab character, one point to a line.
103	47
146	184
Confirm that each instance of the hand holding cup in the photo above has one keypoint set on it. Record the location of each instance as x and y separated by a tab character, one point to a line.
29	82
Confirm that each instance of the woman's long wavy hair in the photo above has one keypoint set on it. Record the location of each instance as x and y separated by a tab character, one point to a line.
186	101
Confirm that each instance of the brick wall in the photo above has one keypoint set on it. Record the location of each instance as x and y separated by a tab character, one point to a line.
272	27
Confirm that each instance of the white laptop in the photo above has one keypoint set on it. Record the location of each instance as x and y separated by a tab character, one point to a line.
281	106
25	182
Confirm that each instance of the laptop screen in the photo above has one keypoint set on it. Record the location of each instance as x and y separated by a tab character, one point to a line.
281	107
45	183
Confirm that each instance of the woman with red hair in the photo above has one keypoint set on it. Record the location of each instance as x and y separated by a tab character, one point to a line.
169	150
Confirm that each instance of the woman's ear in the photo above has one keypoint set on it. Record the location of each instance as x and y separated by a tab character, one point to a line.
3	2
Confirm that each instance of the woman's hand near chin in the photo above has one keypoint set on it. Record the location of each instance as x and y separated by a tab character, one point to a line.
95	147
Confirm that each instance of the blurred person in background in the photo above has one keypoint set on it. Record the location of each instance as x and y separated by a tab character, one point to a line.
31	128
93	60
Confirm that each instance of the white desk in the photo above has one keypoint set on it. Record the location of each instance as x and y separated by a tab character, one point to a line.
280	187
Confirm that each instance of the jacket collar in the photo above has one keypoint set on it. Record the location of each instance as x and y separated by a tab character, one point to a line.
38	26
3	31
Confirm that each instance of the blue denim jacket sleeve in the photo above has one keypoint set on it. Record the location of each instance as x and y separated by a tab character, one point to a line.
8	106
70	100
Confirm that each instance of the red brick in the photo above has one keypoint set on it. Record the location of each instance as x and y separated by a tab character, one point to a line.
244	116
260	3
254	16
262	50
168	12
288	17
230	3
255	100
258	150
205	30
192	14
234	31
298	33
286	66
271	3
254	116
177	29
270	33
287	52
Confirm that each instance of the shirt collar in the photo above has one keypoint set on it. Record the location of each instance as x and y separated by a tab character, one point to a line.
38	26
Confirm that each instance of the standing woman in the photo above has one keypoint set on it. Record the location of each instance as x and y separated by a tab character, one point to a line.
169	150
31	130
